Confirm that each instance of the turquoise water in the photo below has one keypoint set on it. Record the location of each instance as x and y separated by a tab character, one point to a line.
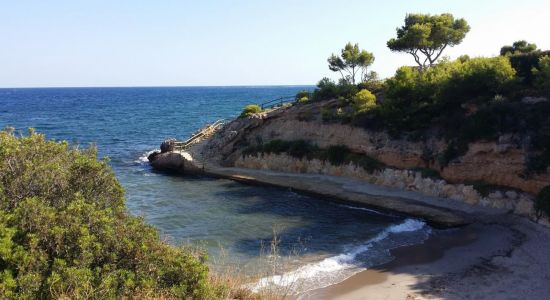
323	242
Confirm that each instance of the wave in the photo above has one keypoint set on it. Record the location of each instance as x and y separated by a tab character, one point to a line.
143	158
368	210
337	268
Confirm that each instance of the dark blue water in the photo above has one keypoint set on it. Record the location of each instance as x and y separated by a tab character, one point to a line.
331	240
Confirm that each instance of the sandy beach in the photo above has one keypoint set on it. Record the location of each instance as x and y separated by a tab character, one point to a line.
501	257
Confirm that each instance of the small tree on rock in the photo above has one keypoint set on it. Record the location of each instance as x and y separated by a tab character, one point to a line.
351	62
426	36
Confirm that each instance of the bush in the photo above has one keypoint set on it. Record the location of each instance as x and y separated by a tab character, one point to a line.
479	79
542	203
327	89
303	96
363	100
524	63
542	75
337	154
428	173
250	110
65	231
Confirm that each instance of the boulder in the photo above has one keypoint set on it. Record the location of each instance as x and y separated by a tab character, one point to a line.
180	162
168	145
152	156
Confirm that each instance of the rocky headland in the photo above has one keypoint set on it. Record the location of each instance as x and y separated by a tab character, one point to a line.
489	175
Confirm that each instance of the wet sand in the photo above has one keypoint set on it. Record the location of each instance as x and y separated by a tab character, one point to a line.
502	257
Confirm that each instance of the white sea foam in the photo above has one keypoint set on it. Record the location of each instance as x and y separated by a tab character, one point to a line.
333	269
143	158
367	209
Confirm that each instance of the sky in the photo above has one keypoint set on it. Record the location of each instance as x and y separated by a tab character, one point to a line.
210	43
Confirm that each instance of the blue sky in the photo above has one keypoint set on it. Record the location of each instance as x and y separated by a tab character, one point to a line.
177	43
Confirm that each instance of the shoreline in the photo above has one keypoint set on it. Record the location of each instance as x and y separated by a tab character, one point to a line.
478	261
495	249
418	254
437	212
476	252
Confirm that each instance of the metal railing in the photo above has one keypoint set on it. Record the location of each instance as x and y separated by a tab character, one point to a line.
277	102
203	132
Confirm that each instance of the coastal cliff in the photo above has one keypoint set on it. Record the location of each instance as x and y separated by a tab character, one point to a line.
490	173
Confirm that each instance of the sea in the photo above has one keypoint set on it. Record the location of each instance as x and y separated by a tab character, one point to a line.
274	237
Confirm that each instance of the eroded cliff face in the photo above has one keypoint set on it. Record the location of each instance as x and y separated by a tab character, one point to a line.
520	203
499	163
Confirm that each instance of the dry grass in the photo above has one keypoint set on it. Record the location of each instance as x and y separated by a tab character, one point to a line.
240	286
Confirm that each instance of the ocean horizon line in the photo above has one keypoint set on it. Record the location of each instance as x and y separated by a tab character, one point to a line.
158	86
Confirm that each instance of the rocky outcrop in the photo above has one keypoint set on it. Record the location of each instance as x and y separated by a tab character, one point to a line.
168	145
175	161
500	162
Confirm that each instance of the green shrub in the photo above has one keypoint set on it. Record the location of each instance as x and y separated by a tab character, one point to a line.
303	100
542	203
542	75
484	188
366	162
479	79
301	148
65	231
327	89
301	95
364	100
250	110
428	173
337	154
275	146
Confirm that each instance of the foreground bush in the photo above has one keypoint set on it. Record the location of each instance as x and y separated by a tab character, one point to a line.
250	110
65	231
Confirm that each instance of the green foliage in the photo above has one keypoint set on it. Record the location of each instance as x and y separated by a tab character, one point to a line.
484	188
65	231
335	155
415	99
303	100
303	96
542	203
518	47
542	75
250	110
479	79
428	173
428	35
340	154
372	83
351	61
525	63
327	89
363	100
